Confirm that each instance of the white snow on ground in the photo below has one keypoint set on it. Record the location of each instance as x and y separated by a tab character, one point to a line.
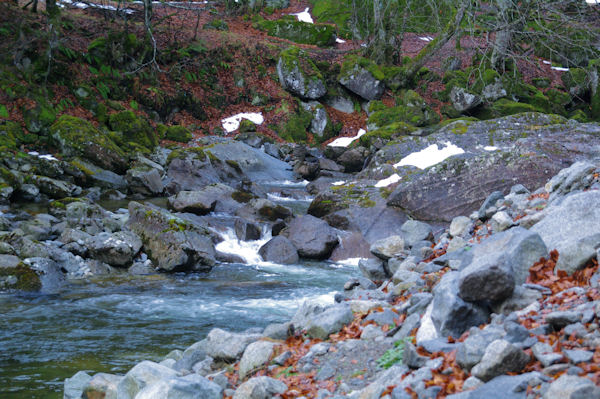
45	156
345	141
426	38
561	69
233	122
390	180
592	2
304	16
338	40
430	156
490	148
85	5
338	183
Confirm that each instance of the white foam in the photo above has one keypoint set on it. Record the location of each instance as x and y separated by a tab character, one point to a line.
304	16
430	156
346	141
247	250
490	148
233	122
390	180
290	183
276	197
349	261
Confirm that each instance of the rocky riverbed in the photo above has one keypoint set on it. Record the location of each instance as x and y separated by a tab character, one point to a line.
478	273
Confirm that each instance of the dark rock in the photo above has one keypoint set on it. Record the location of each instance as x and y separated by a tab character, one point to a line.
299	75
353	159
372	269
560	319
116	249
279	250
462	100
359	80
499	358
414	231
312	237
572	387
247	231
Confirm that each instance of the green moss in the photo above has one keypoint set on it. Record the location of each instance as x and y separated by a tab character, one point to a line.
413	110
197	152
178	133
247	125
293	58
242	196
176	225
504	107
353	62
579	115
27	279
541	82
217	24
574	77
134	129
9	131
334	11
386	133
80	166
161	131
290	28
295	129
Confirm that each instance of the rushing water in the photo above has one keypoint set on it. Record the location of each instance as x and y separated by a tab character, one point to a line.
110	324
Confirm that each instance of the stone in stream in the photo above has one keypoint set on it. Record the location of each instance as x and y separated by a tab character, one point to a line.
260	388
172	243
499	358
373	269
192	386
313	237
116	249
279	250
256	355
247	231
51	277
145	178
227	346
193	202
571	227
141	375
102	385
388	247
329	321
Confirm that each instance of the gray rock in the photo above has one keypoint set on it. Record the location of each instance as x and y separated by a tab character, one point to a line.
279	250
451	315
279	331
572	387
501	221
54	188
329	321
520	299
498	263
256	355
9	261
145	180
193	201
193	354
247	231
141	375
74	386
51	276
459	226
263	209
103	178
313	237
373	269
305	313
102	385
387	248
260	388
223	345
571	227
116	249
361	82
499	358
414	231
384	318
576	356
371	332
489	202
411	358
320	118
501	387
192	386
303	83
561	319
405	279
575	177
173	243
471	351
462	100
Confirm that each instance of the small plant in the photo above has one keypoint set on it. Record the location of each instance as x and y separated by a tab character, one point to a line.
394	355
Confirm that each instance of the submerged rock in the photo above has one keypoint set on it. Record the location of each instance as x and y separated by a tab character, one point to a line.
313	237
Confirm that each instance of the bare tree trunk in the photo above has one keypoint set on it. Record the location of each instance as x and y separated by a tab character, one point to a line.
504	36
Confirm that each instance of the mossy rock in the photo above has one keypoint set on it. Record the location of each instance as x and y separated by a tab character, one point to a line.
9	134
338	12
412	110
579	115
363	77
299	75
178	133
352	61
504	107
134	129
39	118
246	126
77	137
27	279
118	49
290	28
296	127
385	134
576	81
541	82
183	153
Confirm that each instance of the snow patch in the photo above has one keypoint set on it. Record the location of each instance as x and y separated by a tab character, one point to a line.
345	141
426	38
47	157
593	2
390	180
338	183
233	122
304	16
490	148
338	40
83	6
561	69
427	330
430	156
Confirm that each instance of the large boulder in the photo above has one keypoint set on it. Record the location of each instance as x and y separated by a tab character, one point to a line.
330	321
498	263
74	386
226	346
102	385
571	227
78	137
362	77
451	315
522	149
290	28
141	375
116	249
96	176
192	386
173	244
500	357
256	355
313	237
53	188
145	179
279	250
299	75
572	387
